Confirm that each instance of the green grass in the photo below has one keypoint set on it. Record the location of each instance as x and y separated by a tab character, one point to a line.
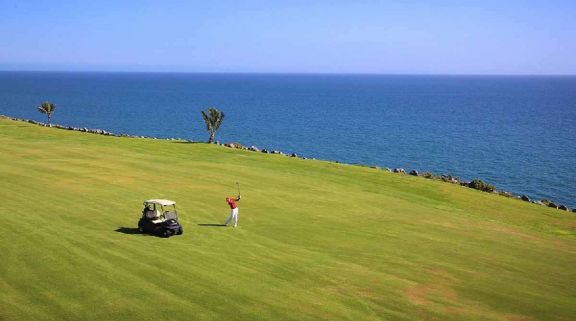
316	241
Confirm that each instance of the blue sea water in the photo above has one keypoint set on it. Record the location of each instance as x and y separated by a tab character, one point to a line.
517	132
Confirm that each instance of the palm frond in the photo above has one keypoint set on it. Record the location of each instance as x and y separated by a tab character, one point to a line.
219	119
207	121
47	107
213	118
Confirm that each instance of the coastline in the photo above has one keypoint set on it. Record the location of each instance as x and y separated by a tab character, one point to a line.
426	175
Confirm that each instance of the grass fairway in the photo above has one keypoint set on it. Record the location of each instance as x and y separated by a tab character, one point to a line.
316	241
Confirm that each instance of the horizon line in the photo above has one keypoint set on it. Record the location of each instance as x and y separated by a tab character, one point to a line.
283	73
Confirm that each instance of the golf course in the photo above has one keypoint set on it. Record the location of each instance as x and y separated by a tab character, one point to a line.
316	240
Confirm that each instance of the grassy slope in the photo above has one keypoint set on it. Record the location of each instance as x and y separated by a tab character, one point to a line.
317	240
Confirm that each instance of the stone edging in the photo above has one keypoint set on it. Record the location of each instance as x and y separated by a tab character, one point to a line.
427	175
444	178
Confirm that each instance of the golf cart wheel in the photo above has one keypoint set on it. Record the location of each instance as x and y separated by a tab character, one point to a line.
166	233
140	229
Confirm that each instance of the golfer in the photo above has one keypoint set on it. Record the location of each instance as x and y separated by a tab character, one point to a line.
234	209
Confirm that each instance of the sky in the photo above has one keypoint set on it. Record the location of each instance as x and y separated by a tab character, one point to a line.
512	37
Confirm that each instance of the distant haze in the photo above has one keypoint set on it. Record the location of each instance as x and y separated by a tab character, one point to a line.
384	37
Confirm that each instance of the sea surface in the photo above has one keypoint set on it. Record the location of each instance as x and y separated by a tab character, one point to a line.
516	132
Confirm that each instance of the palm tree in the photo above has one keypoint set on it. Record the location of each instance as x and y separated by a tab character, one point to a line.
213	119
47	108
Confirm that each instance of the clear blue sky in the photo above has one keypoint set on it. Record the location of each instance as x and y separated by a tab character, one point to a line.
355	36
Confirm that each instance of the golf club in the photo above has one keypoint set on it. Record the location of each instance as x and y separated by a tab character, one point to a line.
238	184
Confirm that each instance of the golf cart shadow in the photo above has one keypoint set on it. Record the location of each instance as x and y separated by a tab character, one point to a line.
129	230
212	224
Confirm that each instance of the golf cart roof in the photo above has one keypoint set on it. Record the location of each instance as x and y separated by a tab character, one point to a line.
161	202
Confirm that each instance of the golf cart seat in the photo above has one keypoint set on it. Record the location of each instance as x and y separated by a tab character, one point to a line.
158	220
153	214
170	215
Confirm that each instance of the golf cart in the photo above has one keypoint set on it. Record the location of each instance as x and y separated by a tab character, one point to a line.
159	217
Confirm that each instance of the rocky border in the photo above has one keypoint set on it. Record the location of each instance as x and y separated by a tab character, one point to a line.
90	130
444	178
427	175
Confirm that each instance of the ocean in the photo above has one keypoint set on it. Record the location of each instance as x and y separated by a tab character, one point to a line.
516	132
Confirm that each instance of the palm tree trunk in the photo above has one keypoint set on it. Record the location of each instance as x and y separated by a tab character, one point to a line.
49	120
211	140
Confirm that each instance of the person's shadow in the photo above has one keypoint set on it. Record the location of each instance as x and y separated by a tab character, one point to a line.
212	224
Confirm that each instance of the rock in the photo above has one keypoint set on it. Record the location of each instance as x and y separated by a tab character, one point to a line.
399	170
234	145
293	155
414	172
387	169
450	179
506	194
525	198
427	175
264	150
254	149
563	207
552	205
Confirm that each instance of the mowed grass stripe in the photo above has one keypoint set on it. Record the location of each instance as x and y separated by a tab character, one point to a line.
317	240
